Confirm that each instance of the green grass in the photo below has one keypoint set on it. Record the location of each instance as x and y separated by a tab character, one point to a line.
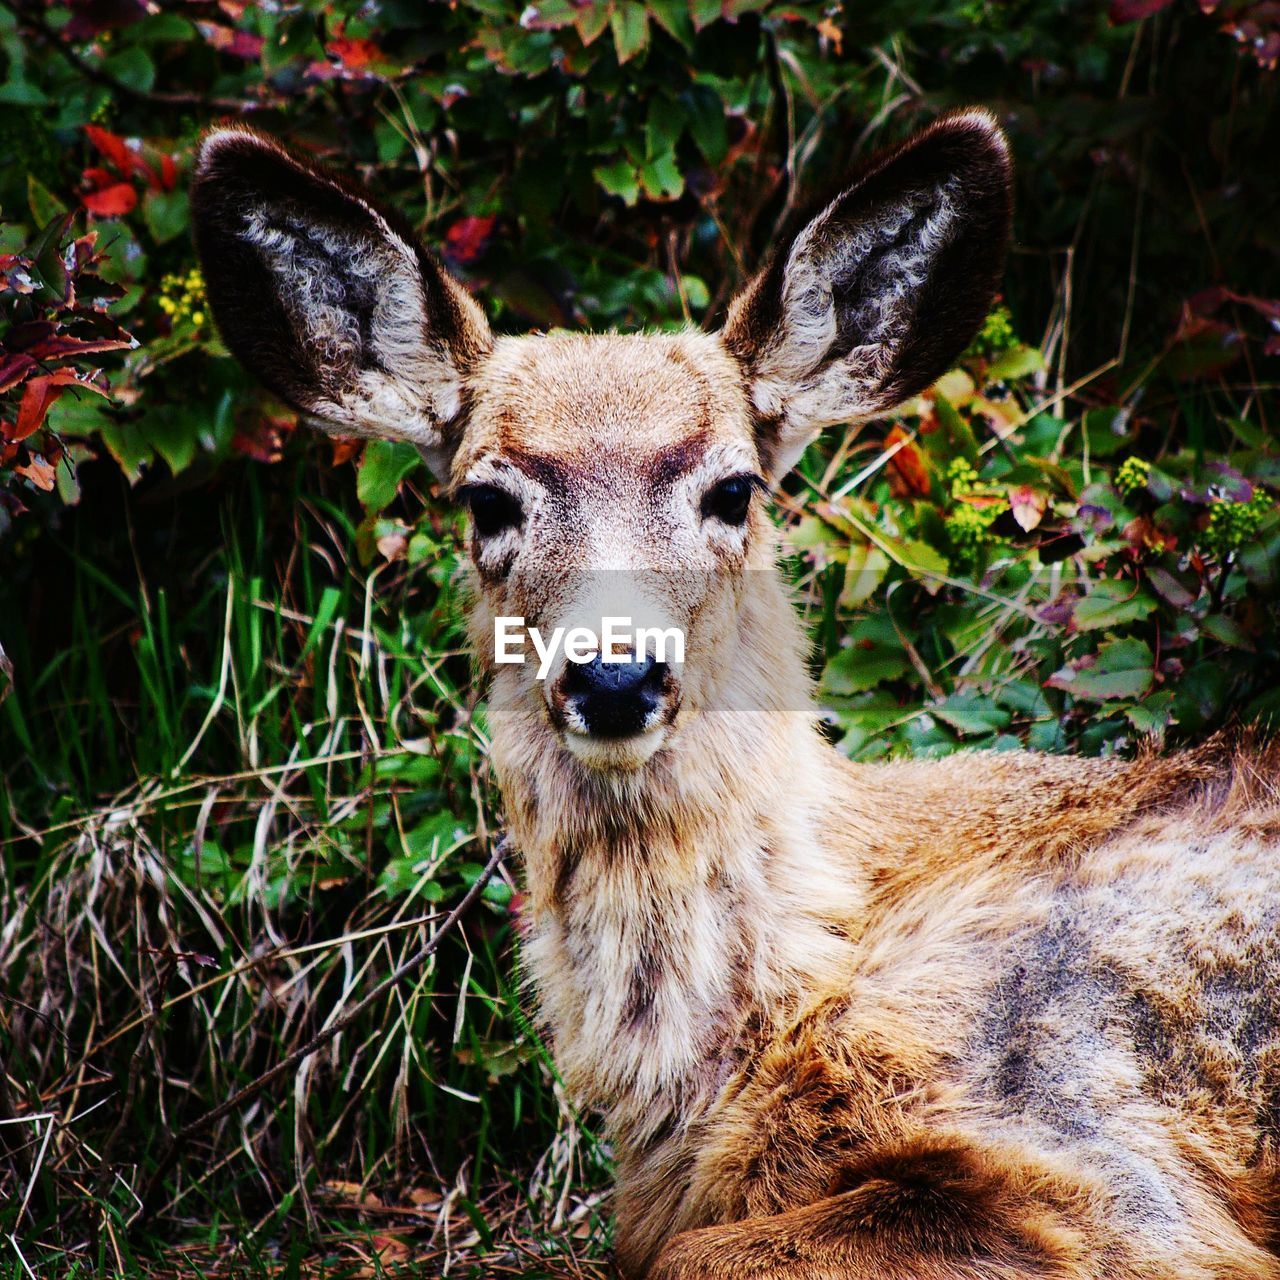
245	782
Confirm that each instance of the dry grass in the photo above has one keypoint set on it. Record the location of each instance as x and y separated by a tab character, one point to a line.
134	1001
315	805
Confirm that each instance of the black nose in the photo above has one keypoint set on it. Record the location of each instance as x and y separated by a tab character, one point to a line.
615	699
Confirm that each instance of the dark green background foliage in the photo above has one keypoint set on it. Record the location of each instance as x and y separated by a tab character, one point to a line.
236	719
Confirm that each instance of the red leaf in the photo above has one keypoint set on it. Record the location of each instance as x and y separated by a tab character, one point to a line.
63	345
1201	347
1028	506
1143	534
22	337
1133	10
263	438
15	273
228	40
125	154
468	238
168	173
40	394
13	368
908	474
111	145
354	54
112	201
345	448
36	401
89	18
39	472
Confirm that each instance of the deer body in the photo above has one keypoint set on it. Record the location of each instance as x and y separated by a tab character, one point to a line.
989	1017
793	971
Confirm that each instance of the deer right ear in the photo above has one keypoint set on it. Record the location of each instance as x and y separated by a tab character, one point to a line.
876	297
331	301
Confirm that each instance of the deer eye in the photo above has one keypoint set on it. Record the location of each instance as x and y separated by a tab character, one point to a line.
493	510
730	499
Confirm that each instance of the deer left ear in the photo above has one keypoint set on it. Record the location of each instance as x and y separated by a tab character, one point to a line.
876	297
331	301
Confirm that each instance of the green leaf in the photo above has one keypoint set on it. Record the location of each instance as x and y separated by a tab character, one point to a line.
166	214
673	17
592	21
698	293
813	534
1260	560
18	92
384	465
174	435
162	28
1111	603
618	179
874	655
44	205
79	416
663	126
1108	430
133	67
630	24
1226	630
864	571
1120	669
1153	714
705	12
1017	362
705	120
67	479
1179	589
662	178
325	610
958	433
128	446
436	836
916	557
550	15
865	717
970	713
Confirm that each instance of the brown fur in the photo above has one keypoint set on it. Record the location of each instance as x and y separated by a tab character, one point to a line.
995	1016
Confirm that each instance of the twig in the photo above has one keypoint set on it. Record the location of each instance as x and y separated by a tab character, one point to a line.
179	1142
1220	586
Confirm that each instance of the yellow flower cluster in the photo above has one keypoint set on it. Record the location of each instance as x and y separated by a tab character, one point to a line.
182	297
1131	475
962	475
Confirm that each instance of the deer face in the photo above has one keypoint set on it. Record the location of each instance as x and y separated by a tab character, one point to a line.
612	478
608	477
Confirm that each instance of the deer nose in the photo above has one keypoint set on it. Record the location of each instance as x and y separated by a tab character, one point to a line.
615	699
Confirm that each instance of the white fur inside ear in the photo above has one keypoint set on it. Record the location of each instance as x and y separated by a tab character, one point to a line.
359	302
883	261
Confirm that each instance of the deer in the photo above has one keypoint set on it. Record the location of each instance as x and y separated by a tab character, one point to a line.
988	1016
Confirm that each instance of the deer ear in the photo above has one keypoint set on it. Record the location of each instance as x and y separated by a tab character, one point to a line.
329	300
876	297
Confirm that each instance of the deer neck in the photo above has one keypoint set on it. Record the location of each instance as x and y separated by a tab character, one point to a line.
672	909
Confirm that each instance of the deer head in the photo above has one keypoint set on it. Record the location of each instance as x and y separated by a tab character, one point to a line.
608	475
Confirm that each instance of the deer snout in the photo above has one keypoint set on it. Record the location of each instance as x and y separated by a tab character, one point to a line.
615	699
